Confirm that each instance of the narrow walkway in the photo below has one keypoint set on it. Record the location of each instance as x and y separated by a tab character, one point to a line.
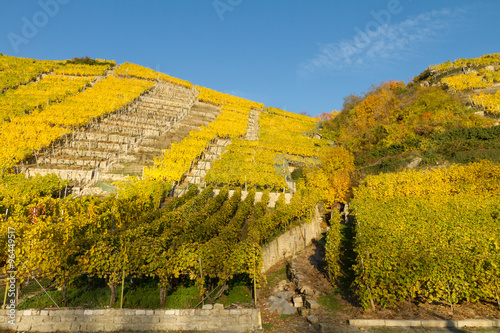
253	126
197	173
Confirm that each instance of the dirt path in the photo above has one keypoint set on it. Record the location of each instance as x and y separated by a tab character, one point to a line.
306	272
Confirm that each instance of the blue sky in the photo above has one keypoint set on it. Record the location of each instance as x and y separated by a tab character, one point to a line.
295	55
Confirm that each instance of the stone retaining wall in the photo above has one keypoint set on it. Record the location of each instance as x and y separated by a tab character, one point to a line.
285	246
486	323
72	320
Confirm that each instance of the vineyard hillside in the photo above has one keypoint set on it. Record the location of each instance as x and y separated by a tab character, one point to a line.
104	163
119	176
447	114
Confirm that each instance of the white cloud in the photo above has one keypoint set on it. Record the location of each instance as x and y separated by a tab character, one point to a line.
378	42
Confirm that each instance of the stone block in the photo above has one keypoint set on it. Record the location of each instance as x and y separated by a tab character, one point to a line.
235	311
68	318
44	327
312	304
133	327
168	326
312	319
325	328
76	312
150	312
150	319
495	322
92	327
207	307
286	295
438	323
120	320
218	306
280	305
99	312
63	326
192	326
140	312
75	327
186	312
304	312
88	312
298	302
172	312
474	323
64	312
92	319
306	290
205	312
169	319
403	323
38	319
129	313
26	313
366	322
44	312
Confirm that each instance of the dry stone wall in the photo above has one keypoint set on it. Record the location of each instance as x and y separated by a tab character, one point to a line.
209	318
285	246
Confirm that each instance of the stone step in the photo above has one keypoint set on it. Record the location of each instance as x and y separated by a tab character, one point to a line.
205	114
86	153
105	137
198	172
139	118
165	102
136	125
76	174
163	108
115	129
193	179
101	145
204	165
211	157
62	160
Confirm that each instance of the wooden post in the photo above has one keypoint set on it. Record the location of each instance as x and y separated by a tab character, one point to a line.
201	275
254	283
5	295
123	283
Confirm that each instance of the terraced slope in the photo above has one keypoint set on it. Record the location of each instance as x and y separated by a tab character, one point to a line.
120	144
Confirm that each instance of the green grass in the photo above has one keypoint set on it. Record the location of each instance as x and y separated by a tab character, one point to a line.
96	298
238	294
268	327
145	294
285	316
274	278
330	302
182	298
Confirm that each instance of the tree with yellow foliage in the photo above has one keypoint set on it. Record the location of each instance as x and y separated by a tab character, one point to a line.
332	181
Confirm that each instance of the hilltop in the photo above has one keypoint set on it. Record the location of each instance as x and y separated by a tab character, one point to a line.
447	114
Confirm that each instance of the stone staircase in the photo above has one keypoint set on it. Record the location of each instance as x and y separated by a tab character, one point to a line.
118	145
200	168
253	126
196	175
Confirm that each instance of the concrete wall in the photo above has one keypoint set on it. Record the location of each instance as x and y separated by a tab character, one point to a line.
109	320
285	246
